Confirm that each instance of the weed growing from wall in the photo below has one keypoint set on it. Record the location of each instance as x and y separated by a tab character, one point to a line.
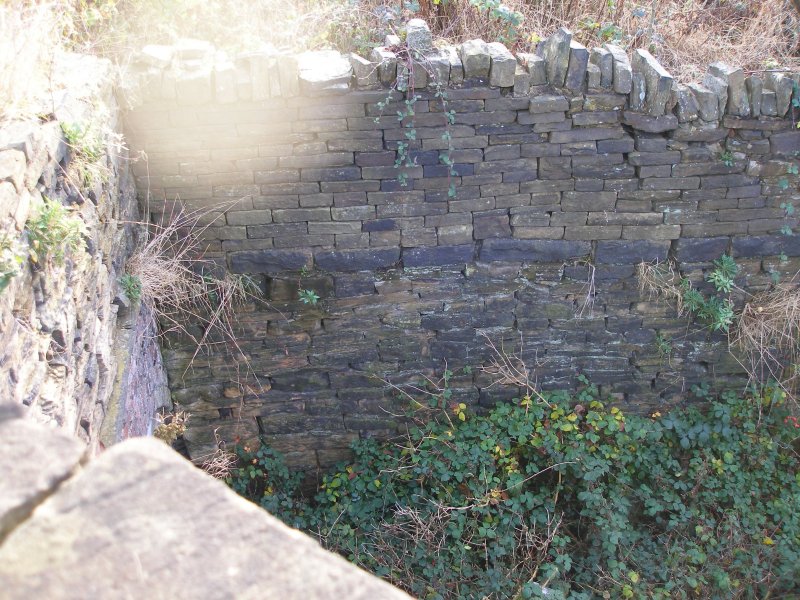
12	257
53	232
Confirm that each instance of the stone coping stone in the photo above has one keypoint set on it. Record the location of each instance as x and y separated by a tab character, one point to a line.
34	461
142	522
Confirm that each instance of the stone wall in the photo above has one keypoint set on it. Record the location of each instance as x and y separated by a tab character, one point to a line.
62	356
570	166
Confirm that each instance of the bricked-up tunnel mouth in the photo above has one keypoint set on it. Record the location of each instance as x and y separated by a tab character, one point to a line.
569	167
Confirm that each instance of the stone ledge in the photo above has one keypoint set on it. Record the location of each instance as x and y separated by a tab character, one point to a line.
142	522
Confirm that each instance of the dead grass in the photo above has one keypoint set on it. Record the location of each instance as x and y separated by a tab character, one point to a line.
661	279
767	334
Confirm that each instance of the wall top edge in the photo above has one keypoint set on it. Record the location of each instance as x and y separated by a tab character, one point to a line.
195	72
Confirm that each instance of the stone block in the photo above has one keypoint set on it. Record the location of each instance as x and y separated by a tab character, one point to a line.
623	145
622	69
491	225
782	85
604	61
556	53
269	261
769	103
654	158
629	252
438	62
522	81
387	64
536	67
766	245
365	71
324	72
588	201
438	255
357	260
699	133
576	69
648	123
786	143
503	65
719	88
658	82
456	65
688	107
450	235
707	102
738	104
194	87
506	250
548	104
586	134
755	88
476	59
418	37
592	77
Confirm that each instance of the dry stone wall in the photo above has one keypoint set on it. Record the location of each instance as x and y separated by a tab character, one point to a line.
569	167
64	360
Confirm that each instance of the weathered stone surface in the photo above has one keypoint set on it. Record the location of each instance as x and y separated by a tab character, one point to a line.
365	71
738	103
357	260
691	133
786	143
592	77
754	87
438	255
638	92
548	104
536	67
194	87
719	88
693	250
769	103
475	57
418	36
439	65
688	107
782	84
34	460
522	81
658	82
142	500
629	252
556	52
604	60
707	102
324	71
622	69
576	69
456	66
649	123
269	261
766	245
532	250
387	64
502	67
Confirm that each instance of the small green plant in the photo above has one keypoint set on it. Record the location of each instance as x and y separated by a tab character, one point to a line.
12	256
88	149
664	347
53	232
131	286
727	158
308	296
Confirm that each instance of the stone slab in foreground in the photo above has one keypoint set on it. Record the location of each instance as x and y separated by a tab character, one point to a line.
141	522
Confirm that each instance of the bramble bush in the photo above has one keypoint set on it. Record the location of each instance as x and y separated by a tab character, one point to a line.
563	496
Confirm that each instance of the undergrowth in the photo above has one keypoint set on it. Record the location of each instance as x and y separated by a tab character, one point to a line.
561	496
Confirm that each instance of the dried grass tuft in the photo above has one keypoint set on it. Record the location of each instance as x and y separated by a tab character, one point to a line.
767	334
661	279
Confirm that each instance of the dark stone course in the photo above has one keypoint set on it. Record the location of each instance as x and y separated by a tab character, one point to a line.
357	260
631	252
438	255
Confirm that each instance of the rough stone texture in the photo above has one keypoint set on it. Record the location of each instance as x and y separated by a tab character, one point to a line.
64	325
418	36
755	88
503	65
409	274
556	54
604	60
34	461
387	64
622	69
657	81
107	530
738	103
476	59
576	71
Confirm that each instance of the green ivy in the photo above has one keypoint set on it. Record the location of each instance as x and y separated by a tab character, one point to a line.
563	497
